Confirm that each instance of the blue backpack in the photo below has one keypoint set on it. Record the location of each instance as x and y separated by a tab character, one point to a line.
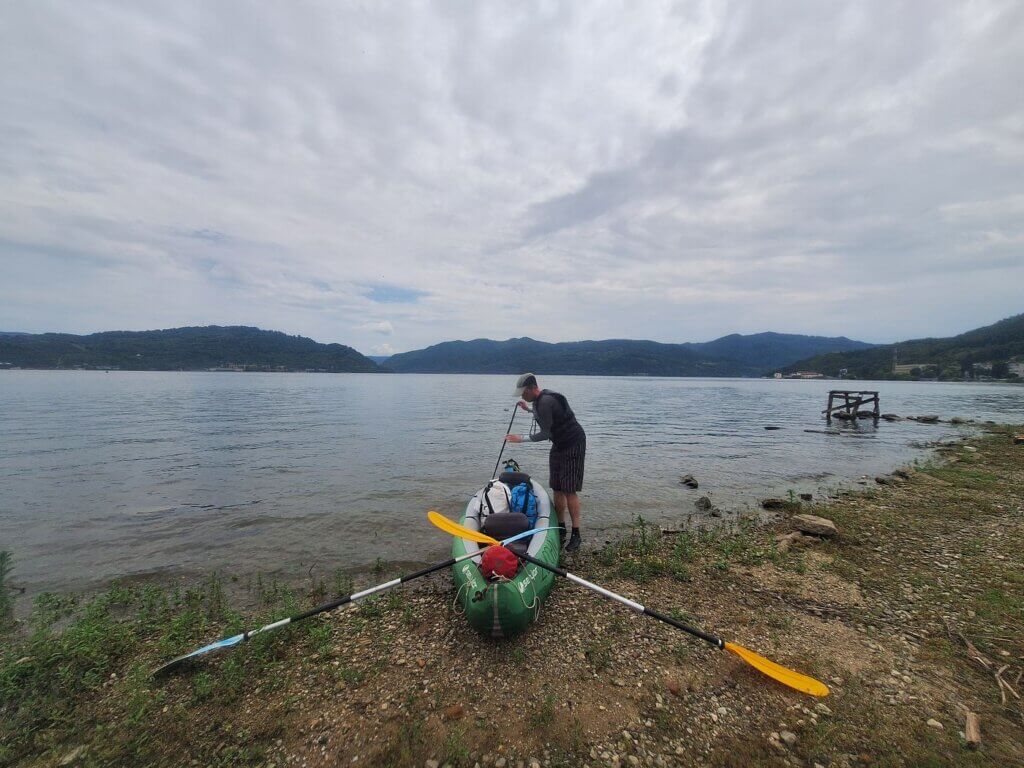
525	500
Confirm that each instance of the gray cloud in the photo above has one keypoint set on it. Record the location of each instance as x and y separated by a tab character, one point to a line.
562	170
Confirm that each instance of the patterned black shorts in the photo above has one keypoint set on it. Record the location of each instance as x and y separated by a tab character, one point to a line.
566	465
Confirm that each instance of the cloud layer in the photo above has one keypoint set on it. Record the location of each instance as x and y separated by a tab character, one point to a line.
393	175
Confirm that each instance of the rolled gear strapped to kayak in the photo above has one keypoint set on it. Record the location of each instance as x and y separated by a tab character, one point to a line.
495	498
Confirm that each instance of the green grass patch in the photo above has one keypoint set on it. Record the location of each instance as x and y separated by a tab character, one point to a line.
79	672
544	715
971	479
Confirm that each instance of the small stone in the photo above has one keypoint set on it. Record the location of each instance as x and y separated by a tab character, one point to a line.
788	738
454	712
819	526
688	480
703	504
72	756
822	709
933	723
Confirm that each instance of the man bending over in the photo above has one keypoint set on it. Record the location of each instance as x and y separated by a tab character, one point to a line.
558	424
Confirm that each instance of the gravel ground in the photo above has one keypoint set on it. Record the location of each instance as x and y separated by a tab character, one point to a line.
912	615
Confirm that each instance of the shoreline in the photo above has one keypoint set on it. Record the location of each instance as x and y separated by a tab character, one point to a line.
729	511
383	369
882	614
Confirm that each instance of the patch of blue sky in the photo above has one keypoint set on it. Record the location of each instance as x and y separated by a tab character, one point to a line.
209	235
393	294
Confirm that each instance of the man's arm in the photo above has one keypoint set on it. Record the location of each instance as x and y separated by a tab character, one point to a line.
543	412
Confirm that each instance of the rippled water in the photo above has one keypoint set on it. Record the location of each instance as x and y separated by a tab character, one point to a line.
104	475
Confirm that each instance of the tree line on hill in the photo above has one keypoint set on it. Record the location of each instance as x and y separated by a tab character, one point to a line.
994	351
733	355
174	349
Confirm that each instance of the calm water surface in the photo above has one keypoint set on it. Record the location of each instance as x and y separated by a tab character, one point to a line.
104	475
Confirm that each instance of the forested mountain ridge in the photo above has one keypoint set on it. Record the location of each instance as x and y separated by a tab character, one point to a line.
989	350
733	355
192	348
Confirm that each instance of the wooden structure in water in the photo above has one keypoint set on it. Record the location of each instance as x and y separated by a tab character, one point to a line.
850	407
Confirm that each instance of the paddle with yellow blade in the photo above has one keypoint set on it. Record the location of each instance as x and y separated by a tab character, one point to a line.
794	680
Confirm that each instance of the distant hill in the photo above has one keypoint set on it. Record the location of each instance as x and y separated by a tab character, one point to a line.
379	358
969	353
197	348
729	356
769	351
618	357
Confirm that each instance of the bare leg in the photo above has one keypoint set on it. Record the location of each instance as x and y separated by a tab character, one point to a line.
573	503
561	506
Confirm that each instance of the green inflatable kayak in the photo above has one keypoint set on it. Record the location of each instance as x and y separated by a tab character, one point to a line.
506	608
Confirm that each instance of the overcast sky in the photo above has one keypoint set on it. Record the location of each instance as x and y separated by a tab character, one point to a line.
392	175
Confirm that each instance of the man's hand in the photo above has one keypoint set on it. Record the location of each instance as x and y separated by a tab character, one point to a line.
522	404
513	438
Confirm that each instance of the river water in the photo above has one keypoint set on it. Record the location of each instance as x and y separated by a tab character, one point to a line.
174	475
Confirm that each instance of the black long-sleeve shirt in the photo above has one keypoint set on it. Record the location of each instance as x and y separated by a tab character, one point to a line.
556	420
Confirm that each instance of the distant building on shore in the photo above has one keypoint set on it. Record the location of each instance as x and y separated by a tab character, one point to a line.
806	375
908	368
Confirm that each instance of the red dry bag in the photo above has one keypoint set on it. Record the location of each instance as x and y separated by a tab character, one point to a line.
498	562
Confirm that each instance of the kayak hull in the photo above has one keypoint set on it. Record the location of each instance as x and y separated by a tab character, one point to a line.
506	608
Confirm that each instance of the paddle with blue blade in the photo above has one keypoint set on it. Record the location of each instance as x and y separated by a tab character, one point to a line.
795	680
228	642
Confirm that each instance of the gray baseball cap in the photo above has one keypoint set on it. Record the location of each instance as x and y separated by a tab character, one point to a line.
524	381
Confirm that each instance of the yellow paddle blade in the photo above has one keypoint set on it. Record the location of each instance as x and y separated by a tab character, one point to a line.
794	680
450	526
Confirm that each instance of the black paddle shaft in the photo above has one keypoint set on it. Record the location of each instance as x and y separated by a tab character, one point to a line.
503	441
715	641
323	608
338	602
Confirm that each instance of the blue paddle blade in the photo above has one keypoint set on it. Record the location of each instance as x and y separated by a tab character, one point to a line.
227	642
530	532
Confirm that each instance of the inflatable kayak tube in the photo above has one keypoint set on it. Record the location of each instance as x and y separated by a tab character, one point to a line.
506	608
